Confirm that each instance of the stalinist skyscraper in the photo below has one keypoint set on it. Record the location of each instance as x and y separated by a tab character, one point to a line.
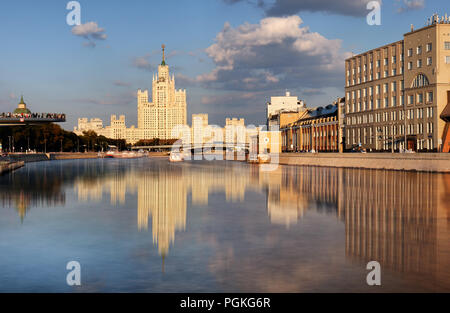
167	109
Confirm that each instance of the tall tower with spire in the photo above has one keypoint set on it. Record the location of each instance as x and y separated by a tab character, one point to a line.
156	119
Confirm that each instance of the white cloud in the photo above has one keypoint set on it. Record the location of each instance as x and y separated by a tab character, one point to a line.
90	31
276	53
143	63
409	5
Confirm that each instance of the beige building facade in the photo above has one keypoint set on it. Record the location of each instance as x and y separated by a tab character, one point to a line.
395	93
158	118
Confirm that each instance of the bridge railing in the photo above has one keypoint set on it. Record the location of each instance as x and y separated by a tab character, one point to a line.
32	117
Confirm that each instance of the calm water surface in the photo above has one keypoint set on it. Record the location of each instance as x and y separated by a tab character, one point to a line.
151	226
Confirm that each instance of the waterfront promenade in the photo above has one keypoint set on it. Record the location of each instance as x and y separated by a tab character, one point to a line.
421	162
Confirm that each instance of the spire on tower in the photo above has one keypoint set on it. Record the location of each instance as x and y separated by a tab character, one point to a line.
164	56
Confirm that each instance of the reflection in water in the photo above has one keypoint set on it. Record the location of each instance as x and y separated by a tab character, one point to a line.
400	219
23	190
162	193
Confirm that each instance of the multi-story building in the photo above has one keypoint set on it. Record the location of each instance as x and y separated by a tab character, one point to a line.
84	125
235	133
116	130
285	103
318	129
395	93
200	129
156	119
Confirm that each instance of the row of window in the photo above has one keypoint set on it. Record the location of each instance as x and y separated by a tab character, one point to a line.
386	102
366	135
429	48
419	64
390	116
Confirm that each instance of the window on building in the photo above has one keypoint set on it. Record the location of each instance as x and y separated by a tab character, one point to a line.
386	87
419	50
429	47
430	96
420	98
429	61
386	74
420	81
394	59
410	65
447	59
419	63
411	99
410	52
447	45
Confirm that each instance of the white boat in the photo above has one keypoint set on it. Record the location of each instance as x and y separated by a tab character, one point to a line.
175	157
124	155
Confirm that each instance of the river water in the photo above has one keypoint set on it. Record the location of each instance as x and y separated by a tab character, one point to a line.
148	225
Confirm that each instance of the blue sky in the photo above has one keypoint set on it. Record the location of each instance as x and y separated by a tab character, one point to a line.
230	55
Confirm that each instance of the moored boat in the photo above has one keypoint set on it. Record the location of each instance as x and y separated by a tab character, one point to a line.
175	157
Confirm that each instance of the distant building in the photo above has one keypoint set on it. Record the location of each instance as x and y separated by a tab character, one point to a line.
235	133
200	129
22	108
318	129
396	93
84	124
285	103
116	130
156	119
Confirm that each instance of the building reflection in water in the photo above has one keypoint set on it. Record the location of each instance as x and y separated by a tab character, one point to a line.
400	219
162	193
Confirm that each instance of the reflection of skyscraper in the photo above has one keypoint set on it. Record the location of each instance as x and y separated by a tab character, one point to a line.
162	196
162	192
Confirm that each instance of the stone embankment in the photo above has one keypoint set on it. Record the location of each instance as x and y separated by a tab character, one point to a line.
38	157
6	167
421	162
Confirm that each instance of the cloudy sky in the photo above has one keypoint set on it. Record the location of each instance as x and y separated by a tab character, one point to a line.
230	55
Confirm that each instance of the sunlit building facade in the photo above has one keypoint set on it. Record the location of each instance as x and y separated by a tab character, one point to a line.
395	93
157	119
